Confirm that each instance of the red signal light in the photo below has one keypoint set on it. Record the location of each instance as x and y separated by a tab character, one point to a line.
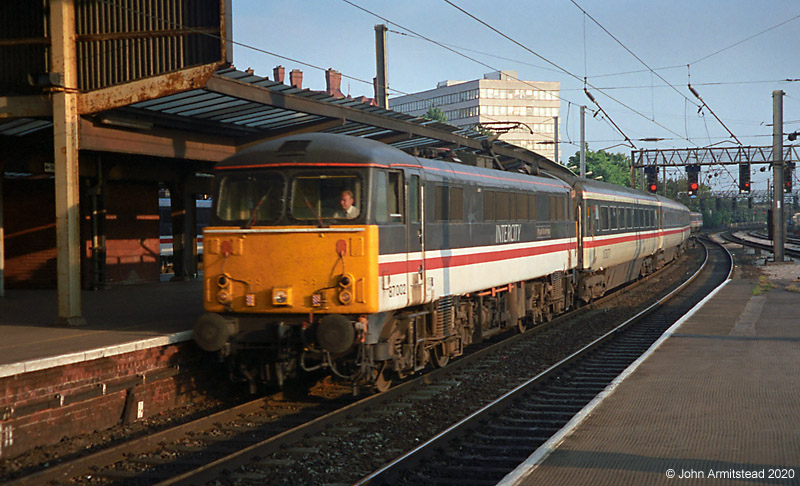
653	187
693	186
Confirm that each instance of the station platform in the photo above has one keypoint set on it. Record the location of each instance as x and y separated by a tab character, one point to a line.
719	398
118	320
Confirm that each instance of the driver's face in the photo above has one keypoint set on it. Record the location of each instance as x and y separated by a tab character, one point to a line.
346	200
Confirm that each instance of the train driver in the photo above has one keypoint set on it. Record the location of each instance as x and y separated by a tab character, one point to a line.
347	209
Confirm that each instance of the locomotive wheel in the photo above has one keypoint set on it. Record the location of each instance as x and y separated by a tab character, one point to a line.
382	378
522	325
440	355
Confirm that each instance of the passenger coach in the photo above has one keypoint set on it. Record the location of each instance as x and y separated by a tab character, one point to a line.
625	234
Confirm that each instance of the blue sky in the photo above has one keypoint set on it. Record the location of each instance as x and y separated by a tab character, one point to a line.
736	83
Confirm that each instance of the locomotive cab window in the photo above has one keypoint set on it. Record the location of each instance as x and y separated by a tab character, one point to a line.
388	197
249	199
336	198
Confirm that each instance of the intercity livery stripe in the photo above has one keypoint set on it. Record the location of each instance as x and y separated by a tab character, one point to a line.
396	264
593	242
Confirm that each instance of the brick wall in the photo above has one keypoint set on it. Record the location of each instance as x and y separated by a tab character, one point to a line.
42	407
29	213
132	233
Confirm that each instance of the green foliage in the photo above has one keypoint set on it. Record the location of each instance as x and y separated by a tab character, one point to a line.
614	168
435	113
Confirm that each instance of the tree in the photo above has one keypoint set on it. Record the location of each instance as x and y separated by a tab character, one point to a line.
615	168
435	113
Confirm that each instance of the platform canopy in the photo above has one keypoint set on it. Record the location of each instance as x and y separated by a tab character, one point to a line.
236	109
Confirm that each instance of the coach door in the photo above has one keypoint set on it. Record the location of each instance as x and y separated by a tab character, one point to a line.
415	238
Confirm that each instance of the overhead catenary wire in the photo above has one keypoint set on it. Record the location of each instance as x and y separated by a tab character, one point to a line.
587	14
565	71
694	92
676	66
444	46
745	40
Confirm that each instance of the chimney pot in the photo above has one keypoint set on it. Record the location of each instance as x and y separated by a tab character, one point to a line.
296	78
333	81
278	73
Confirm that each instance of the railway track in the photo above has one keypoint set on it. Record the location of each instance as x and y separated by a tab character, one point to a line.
488	445
789	239
272	436
761	242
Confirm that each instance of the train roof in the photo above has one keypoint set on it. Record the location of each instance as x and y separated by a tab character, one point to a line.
321	149
612	191
605	189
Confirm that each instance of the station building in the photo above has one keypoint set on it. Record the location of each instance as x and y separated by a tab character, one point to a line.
528	110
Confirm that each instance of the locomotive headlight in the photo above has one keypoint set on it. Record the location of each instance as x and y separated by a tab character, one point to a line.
224	297
282	296
345	281
345	297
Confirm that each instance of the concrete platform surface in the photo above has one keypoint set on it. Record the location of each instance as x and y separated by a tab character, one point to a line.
719	400
121	319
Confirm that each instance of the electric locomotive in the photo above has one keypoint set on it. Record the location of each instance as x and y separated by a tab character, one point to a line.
435	256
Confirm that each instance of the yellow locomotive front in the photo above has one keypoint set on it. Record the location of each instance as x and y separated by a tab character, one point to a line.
290	267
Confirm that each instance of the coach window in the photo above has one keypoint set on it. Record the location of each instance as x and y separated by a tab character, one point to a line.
629	217
637	218
456	204
488	205
612	218
413	199
501	206
522	207
442	203
513	212
532	207
555	207
604	218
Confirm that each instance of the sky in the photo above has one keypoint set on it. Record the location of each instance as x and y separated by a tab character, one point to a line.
734	73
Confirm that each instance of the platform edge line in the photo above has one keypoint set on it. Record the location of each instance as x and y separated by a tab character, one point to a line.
539	455
81	356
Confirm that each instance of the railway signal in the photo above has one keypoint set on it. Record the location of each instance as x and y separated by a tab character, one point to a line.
744	178
692	173
652	178
788	173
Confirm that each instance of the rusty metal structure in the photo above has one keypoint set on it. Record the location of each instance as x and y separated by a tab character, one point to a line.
710	156
67	58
